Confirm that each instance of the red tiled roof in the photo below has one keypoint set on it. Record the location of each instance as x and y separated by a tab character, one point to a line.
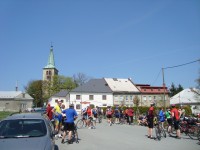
146	88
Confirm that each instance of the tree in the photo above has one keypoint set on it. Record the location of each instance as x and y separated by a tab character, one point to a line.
35	90
174	90
179	89
57	84
41	91
80	78
136	101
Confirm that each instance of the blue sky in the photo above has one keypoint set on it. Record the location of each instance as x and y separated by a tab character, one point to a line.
100	38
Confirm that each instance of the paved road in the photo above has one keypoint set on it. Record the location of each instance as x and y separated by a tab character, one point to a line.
125	137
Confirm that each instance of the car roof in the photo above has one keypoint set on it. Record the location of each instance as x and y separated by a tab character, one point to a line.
25	116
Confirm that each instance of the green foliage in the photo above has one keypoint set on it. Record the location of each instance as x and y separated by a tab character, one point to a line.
136	101
4	114
35	90
174	90
188	111
41	91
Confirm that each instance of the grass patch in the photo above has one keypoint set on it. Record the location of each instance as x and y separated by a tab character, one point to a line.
4	114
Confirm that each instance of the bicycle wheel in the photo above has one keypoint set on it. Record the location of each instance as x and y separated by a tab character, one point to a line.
193	132
100	119
163	132
79	124
198	136
173	131
158	134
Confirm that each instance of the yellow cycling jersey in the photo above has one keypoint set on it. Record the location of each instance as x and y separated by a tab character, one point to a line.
57	109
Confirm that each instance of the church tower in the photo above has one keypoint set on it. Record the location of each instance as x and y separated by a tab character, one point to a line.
50	70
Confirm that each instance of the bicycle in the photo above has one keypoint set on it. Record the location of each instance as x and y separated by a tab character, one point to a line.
80	123
159	130
190	129
99	118
74	137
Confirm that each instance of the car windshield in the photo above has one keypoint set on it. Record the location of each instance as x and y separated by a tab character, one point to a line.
21	128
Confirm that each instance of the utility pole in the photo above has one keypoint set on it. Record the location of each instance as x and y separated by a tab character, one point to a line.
163	87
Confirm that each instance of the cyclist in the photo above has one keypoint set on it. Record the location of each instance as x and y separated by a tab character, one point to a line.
90	118
84	115
69	125
176	119
109	113
117	115
169	120
99	113
49	112
130	115
94	114
57	116
162	117
150	121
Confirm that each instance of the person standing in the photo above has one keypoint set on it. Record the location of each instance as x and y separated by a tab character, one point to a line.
109	114
169	120
57	116
69	125
162	117
49	112
126	115
130	115
150	118
117	114
90	118
84	115
94	114
176	118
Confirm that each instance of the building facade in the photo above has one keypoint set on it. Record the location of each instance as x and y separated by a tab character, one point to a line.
15	101
153	94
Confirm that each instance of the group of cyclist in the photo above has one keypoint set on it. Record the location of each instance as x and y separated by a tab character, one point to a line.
90	116
119	115
63	120
172	115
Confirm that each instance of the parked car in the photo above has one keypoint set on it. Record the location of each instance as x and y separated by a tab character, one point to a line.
32	131
40	110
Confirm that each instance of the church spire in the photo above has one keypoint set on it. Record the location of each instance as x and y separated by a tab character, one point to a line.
50	70
51	62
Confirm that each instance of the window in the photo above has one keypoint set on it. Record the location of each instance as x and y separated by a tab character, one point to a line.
104	97
91	97
149	97
78	97
78	106
48	77
154	97
47	72
126	97
144	98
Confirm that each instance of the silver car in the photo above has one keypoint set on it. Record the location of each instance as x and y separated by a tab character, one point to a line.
26	131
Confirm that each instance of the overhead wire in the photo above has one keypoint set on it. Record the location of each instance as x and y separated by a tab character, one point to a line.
182	64
174	67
